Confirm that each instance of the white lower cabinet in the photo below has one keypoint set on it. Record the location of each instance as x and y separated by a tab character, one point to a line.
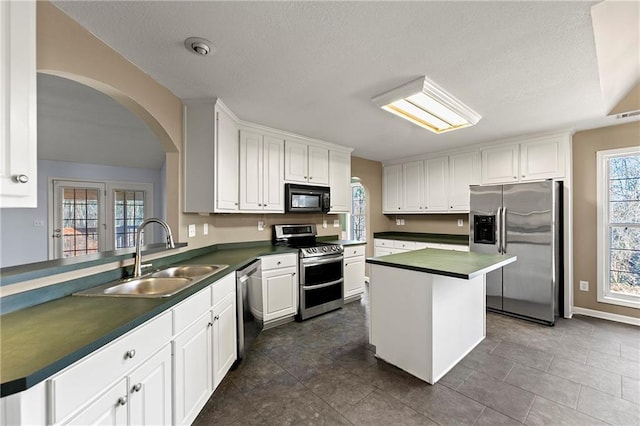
225	349
279	286
150	390
384	247
192	369
109	409
353	272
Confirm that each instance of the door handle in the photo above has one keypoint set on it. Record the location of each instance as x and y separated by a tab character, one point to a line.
504	230
499	230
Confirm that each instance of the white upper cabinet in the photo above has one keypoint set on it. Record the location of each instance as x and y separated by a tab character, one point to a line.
306	163
392	189
436	184
500	164
210	158
261	173
542	158
340	181
464	170
413	186
533	159
18	120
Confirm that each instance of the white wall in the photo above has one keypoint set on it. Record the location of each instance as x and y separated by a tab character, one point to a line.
22	242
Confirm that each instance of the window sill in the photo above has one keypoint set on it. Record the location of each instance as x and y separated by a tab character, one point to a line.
631	302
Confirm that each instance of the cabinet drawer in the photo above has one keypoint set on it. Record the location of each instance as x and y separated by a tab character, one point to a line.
353	251
224	287
190	309
383	243
278	261
404	245
455	247
77	384
420	246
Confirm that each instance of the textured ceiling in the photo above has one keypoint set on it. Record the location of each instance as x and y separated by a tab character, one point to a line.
79	124
312	67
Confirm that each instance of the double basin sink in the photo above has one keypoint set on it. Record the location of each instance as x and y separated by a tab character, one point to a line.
162	283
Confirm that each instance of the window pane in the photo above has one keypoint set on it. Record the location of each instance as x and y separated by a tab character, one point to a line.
129	214
624	212
624	189
625	237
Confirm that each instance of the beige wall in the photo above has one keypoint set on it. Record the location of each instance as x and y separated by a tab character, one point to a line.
585	145
431	223
66	49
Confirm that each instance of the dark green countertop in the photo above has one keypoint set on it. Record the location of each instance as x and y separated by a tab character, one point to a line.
424	237
41	340
449	263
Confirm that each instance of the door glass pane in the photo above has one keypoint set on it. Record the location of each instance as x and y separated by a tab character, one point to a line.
80	219
128	215
358	205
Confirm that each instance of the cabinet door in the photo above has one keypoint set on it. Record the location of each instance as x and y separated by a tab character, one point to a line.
542	159
18	141
500	164
295	158
150	390
353	276
463	171
250	171
413	181
198	157
340	181
318	165
280	293
224	338
226	162
392	189
108	409
382	251
273	174
192	369
436	184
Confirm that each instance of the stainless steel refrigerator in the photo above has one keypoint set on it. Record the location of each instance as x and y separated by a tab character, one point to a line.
524	220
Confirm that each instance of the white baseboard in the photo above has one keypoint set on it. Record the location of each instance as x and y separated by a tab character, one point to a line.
606	315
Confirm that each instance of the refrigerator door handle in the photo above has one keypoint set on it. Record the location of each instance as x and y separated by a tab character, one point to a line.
504	230
499	230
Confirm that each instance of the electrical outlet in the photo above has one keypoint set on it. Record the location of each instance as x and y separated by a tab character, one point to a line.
205	229
401	222
261	225
324	223
192	231
38	223
460	222
336	223
397	221
584	285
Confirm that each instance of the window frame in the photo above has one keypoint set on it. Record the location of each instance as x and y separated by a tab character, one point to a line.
604	294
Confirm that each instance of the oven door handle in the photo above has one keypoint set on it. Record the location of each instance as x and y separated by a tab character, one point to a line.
320	261
314	287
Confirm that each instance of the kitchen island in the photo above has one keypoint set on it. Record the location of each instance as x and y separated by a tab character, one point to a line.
428	308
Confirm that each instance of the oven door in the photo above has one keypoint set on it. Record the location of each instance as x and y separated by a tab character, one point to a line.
321	285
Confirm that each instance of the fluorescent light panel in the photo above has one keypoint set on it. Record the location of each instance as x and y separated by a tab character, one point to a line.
427	105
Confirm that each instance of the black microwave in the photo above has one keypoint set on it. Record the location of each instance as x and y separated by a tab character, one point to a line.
306	198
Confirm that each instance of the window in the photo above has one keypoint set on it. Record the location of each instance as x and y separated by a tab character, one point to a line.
357	222
619	226
83	224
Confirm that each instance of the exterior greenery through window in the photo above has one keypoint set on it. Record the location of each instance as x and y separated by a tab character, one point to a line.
358	205
619	226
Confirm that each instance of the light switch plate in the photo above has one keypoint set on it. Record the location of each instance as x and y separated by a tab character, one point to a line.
38	223
584	285
401	222
397	221
205	229
324	223
460	222
192	231
336	223
261	225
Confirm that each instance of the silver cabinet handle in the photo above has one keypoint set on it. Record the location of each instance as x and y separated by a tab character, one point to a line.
122	400
305	177
293	274
136	387
20	178
130	354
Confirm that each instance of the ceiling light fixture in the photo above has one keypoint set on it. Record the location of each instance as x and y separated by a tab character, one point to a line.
199	46
427	105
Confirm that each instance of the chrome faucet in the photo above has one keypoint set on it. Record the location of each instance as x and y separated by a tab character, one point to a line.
137	267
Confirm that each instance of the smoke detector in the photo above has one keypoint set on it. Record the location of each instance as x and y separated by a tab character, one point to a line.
199	46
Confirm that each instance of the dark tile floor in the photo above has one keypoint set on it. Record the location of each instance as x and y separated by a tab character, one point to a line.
322	371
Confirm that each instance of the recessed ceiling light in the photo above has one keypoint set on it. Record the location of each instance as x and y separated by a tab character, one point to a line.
199	46
427	105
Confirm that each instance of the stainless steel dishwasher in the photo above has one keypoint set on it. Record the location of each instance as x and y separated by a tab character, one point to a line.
248	287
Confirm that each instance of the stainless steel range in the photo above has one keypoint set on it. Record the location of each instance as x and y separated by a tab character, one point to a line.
320	269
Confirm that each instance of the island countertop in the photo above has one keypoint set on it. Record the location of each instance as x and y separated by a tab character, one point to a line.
448	263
